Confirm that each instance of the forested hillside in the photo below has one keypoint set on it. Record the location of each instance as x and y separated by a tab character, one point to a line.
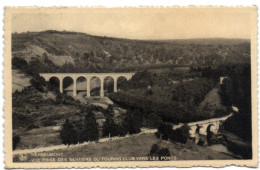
236	90
57	51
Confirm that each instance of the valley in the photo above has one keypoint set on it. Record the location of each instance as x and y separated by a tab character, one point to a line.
173	82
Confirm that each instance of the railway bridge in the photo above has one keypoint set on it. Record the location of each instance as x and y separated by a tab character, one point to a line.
88	76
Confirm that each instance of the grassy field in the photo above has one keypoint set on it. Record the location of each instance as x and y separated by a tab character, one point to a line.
42	137
42	134
135	146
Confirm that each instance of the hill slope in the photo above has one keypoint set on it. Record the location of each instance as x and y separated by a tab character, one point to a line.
95	53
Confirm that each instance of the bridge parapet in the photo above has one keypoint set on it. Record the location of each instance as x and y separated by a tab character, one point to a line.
47	76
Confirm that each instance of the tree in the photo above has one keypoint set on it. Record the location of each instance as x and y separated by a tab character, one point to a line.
236	90
35	83
152	120
86	56
16	141
19	63
131	124
68	134
181	134
109	127
58	99
92	54
158	151
165	129
149	91
80	131
90	127
45	57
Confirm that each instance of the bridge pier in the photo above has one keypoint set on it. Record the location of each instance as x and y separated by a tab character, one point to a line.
115	85
74	87
61	85
88	87
101	87
204	126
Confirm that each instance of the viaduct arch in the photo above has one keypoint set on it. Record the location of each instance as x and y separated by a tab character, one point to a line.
88	76
201	127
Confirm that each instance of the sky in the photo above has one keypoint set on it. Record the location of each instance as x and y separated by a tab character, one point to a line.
138	23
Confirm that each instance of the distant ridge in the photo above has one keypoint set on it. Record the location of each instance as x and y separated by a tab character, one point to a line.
101	53
202	41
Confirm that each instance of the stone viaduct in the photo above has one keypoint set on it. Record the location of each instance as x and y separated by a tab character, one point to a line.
88	76
201	127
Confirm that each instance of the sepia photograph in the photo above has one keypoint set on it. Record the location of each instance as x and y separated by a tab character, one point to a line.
94	87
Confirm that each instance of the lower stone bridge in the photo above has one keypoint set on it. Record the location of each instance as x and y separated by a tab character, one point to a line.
202	127
88	76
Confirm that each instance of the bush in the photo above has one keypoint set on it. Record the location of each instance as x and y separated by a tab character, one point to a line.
149	92
163	152
165	129
157	135
159	152
16	141
113	130
19	63
62	98
154	150
181	134
153	120
120	130
35	83
48	122
58	99
32	126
